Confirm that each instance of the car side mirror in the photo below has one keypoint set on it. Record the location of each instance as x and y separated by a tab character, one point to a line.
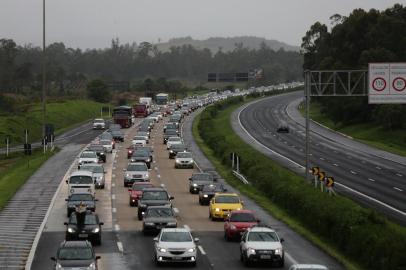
98	257
171	198
282	240
224	189
66	200
156	239
124	170
190	178
101	223
96	200
105	172
53	258
130	189
66	181
197	240
258	220
65	223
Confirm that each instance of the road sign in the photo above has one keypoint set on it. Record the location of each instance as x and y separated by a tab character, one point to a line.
322	176
387	83
330	181
315	170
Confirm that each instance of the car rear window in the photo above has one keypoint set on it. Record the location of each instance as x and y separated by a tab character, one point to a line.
242	217
75	253
227	199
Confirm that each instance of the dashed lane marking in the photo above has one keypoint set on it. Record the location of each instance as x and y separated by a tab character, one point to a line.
335	164
113	197
113	184
176	210
117	227
398	189
372	180
322	158
114	210
353	172
201	249
379	168
120	247
398	174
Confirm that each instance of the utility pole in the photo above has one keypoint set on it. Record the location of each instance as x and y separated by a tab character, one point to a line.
307	105
44	118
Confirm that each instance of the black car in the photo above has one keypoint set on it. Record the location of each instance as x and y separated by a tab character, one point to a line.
207	192
170	125
118	135
158	217
175	149
75	255
153	197
84	226
100	151
198	180
74	200
283	127
114	127
170	133
141	156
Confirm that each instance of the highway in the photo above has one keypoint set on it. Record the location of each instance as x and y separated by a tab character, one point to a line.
375	178
123	244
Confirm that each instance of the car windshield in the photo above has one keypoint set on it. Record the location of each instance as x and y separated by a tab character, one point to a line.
170	132
227	199
89	220
155	195
88	155
81	197
117	132
263	237
159	212
75	253
105	142
96	148
212	188
99	121
175	139
141	187
176	237
142	133
202	177
184	155
178	147
141	153
94	169
141	138
242	217
80	179
137	167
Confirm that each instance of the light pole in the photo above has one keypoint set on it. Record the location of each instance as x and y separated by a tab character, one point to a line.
44	118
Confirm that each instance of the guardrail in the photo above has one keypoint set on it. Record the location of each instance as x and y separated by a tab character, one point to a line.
241	177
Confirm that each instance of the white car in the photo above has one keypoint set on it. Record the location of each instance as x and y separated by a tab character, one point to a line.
107	145
98	173
88	157
154	116
139	141
184	160
261	244
143	134
99	123
308	267
135	172
173	140
175	245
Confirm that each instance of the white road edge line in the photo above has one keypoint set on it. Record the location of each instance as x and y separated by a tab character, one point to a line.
113	196
398	189
187	227
202	250
290	258
120	247
114	210
341	185
398	174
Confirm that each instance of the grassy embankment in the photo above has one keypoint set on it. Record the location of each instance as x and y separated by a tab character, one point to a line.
350	233
369	133
63	115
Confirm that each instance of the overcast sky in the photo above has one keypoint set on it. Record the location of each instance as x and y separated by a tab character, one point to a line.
93	23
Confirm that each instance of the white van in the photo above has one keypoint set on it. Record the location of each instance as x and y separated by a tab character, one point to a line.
81	182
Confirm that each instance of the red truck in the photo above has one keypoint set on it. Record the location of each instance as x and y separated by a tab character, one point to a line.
122	115
141	110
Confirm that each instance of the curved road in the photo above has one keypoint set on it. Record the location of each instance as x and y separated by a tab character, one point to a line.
374	178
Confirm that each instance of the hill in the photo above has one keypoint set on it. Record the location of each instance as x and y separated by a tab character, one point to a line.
226	44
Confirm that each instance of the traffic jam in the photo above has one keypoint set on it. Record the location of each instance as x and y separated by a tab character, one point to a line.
153	204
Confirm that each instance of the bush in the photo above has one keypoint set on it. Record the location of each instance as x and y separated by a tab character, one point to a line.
361	234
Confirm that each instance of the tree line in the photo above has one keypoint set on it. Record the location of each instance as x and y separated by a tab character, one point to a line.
353	42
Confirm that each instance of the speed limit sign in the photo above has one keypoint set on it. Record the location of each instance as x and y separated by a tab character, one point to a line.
399	84
387	83
379	84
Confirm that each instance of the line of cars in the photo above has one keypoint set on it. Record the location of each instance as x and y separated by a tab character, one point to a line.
83	227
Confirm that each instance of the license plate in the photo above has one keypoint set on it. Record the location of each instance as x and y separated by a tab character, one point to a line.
83	235
177	258
265	256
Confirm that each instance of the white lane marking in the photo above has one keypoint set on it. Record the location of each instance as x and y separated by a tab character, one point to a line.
290	258
398	174
120	247
113	197
154	161
322	158
113	175
115	161
201	249
114	210
186	227
353	172
114	167
116	227
398	189
335	164
379	168
156	168
159	176
162	185
372	180
113	184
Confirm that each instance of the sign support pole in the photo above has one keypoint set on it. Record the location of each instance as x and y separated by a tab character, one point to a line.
307	146
7	145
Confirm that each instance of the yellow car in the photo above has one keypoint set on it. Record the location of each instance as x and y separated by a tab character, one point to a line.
222	204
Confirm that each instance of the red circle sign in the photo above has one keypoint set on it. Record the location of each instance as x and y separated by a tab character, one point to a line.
399	84
379	84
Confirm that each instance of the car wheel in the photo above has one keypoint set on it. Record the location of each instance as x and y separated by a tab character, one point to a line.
98	241
139	215
282	263
103	186
158	263
245	260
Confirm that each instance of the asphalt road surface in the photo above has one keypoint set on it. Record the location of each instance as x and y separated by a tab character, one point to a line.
373	177
124	246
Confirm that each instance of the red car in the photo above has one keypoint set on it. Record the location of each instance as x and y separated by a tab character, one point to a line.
238	222
136	191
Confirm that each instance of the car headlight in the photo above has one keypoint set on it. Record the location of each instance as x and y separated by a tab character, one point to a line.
59	266
71	230
142	205
146	175
278	251
238	209
195	185
128	175
92	266
233	227
96	230
191	250
163	250
217	209
205	196
149	224
251	251
171	151
177	160
148	160
172	224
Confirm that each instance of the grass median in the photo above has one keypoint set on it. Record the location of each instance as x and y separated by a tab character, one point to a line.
345	230
16	170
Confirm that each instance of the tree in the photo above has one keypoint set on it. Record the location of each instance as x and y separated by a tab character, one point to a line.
98	91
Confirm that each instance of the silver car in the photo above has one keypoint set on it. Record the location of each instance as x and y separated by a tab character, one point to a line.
88	157
184	160
135	172
175	245
98	173
107	145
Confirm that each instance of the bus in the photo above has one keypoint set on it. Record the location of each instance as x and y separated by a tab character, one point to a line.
161	99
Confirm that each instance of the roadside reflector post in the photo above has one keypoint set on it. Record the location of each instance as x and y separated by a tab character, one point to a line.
7	145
